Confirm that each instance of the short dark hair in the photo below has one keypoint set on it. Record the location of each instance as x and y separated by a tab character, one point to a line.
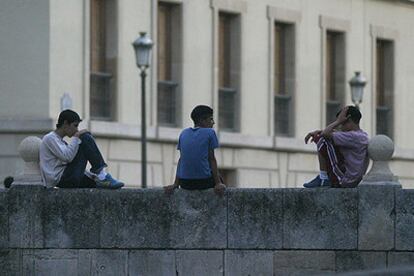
353	113
68	115
8	181
201	112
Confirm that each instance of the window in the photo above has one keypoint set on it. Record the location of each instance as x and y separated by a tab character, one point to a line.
229	60
335	74
283	78
384	86
102	59
169	63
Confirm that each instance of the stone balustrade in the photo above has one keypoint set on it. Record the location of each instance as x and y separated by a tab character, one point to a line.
246	232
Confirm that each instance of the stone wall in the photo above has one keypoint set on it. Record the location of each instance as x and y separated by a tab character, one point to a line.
246	232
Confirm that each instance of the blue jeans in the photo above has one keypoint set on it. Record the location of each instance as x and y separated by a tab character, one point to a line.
74	173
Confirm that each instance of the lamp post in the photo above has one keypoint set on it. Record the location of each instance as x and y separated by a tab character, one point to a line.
142	47
357	84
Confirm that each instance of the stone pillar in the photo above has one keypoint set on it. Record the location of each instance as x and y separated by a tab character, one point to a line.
380	150
29	151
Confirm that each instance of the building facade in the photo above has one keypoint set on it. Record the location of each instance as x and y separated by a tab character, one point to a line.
271	69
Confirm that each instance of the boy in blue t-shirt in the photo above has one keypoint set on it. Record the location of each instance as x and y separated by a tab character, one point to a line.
197	166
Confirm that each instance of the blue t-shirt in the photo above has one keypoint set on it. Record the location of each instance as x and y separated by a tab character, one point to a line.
194	145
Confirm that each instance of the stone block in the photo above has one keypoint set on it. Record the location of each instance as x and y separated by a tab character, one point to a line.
399	259
11	262
199	262
376	217
72	218
360	260
320	218
255	218
246	262
258	159
25	215
50	262
109	262
4	220
151	262
136	219
199	219
303	262
250	178
404	235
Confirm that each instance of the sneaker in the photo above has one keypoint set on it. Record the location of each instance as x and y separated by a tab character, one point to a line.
317	182
109	183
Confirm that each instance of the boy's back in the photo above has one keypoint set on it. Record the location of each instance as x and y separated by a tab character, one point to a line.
194	145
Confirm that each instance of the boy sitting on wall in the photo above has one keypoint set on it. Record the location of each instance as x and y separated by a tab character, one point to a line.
63	165
197	166
342	151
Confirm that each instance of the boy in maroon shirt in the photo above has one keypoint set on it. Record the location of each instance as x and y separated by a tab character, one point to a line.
342	151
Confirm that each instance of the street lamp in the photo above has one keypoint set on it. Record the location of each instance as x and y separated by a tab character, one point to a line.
357	84
142	47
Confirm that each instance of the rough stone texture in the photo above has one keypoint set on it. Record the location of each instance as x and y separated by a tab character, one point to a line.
303	262
11	261
199	263
25	213
400	259
255	218
109	262
72	218
199	219
354	260
376	218
4	220
246	262
151	262
50	262
404	234
136	219
320	218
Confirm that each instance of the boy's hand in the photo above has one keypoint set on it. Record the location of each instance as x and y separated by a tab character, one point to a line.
342	117
170	189
80	132
311	135
219	189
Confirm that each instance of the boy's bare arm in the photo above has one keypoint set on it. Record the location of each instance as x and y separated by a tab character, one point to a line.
170	188
219	186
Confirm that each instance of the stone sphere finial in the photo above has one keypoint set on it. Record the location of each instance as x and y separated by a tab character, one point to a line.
29	149
380	148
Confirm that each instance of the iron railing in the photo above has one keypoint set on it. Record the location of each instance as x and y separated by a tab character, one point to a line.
383	120
282	105
167	103
332	108
101	96
227	108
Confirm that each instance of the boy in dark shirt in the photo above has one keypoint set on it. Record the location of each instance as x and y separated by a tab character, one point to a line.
342	151
197	166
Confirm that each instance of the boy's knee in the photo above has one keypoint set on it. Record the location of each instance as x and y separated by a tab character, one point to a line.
87	136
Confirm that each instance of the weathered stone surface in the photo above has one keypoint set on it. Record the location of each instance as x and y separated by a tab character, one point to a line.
4	220
359	260
255	218
50	262
151	262
246	262
376	218
199	262
299	262
320	218
136	219
72	218
404	234
25	214
199	219
109	262
11	261
400	259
